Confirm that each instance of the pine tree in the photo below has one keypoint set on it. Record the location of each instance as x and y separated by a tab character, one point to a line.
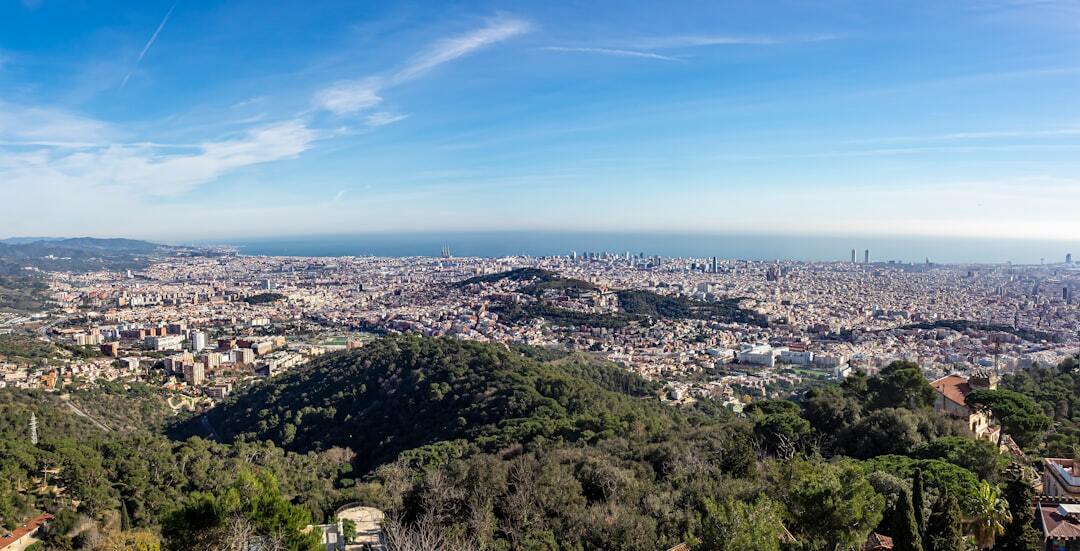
918	501
1020	534
905	531
944	530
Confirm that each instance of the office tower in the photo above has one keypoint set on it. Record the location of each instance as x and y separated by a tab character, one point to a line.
1068	258
866	256
573	255
268	285
852	256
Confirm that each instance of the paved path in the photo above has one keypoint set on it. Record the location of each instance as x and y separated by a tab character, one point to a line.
81	413
368	527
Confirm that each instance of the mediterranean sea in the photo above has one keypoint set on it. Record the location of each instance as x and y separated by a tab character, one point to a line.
700	245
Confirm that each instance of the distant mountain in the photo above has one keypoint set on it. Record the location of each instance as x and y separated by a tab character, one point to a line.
76	254
25	240
406	392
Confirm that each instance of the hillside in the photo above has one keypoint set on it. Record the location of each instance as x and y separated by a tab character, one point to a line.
490	447
406	392
634	305
648	303
75	254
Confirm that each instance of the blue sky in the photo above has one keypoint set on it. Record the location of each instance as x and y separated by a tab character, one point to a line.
201	119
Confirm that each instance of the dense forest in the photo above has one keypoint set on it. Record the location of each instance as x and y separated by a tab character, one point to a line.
478	446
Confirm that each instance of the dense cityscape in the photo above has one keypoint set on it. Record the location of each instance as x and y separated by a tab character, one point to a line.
194	326
210	323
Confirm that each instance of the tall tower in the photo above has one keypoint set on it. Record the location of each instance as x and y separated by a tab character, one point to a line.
866	256
33	429
853	256
1068	258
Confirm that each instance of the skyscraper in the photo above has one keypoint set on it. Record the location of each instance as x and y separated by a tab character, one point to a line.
852	256
866	256
1068	258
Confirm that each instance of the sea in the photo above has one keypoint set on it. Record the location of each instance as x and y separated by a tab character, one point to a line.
952	250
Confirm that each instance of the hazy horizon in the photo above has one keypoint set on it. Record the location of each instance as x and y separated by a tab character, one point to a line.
671	244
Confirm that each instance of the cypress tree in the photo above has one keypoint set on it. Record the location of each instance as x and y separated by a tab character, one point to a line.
905	531
944	530
918	501
1020	534
125	518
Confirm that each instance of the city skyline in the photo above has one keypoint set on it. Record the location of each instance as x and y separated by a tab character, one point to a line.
199	121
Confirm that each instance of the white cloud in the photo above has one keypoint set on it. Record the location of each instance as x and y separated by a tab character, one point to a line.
382	118
149	170
611	52
349	97
19	124
702	40
496	30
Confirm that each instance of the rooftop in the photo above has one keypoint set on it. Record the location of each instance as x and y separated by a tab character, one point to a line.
953	387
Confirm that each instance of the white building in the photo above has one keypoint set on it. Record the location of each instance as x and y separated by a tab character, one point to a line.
804	357
759	354
198	341
167	342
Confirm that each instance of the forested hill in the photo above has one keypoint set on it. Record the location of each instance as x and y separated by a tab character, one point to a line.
406	392
76	254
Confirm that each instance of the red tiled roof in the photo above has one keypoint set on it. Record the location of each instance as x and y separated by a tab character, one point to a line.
1055	525
954	387
878	542
24	529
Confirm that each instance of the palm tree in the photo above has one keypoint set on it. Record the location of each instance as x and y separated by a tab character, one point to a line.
989	513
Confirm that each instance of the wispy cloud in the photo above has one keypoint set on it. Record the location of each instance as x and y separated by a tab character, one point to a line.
338	196
645	47
382	118
704	40
20	123
496	30
353	96
149	43
610	51
347	97
975	135
74	159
